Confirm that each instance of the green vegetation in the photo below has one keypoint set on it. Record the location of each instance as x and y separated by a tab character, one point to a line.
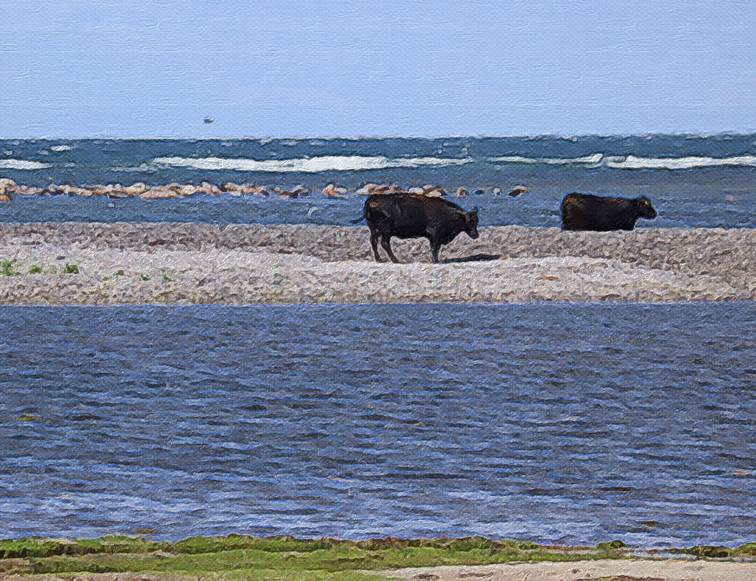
119	273
286	558
167	278
6	268
144	276
11	268
27	418
611	545
239	556
715	552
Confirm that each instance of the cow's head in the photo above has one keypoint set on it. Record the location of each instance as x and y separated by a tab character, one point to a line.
471	223
645	209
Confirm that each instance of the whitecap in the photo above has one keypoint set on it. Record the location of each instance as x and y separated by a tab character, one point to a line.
592	159
59	148
634	162
307	165
144	168
22	164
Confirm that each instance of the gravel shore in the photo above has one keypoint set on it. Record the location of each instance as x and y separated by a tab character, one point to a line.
242	264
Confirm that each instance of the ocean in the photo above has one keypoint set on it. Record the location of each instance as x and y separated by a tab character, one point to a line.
694	181
556	423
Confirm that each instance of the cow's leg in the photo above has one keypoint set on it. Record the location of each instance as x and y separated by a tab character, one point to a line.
374	235
386	243
435	247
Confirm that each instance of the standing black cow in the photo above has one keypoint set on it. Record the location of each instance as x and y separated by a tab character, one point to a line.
587	212
416	216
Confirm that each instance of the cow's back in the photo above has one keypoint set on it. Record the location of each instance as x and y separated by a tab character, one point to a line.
407	215
589	212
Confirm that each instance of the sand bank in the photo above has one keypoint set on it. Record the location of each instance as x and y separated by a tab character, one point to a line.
605	570
242	264
620	570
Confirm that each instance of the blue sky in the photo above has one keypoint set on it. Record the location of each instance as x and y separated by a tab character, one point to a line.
78	68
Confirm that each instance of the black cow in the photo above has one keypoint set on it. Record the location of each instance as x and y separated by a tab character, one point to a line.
415	216
587	212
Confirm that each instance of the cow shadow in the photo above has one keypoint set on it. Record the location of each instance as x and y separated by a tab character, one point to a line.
472	258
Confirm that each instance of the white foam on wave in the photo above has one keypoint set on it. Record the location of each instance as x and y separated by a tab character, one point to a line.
307	165
22	164
633	162
592	159
59	148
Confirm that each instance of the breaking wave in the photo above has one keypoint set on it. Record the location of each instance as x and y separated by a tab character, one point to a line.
22	164
593	159
633	162
308	164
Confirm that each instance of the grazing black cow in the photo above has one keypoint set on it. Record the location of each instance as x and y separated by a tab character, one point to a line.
587	212
416	216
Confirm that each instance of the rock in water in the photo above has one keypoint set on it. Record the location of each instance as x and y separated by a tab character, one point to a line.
334	192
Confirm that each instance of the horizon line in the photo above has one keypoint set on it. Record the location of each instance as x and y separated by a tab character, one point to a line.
728	132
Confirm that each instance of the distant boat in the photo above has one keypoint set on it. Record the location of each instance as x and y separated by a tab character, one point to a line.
209	120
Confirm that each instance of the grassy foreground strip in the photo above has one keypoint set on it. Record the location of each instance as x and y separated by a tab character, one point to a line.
238	556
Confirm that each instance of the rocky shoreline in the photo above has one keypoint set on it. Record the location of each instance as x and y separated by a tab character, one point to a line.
9	189
97	263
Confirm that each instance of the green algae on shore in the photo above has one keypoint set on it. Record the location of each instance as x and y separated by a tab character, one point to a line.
288	558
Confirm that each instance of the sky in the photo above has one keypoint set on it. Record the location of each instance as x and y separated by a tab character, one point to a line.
102	68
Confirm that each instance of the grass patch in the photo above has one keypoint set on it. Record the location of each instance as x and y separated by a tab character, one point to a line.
611	545
39	547
144	277
238	556
7	268
71	268
717	552
11	268
119	273
287	558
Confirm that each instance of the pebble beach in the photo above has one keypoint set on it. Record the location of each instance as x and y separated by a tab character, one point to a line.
97	263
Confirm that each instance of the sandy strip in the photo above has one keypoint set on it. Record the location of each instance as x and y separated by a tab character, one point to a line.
619	570
246	264
605	570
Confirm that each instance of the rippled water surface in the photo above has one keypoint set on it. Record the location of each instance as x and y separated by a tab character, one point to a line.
693	180
572	423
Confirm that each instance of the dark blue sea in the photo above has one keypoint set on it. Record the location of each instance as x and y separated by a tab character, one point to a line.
551	422
707	181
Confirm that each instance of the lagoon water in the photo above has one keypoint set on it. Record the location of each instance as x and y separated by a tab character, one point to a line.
550	422
694	181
